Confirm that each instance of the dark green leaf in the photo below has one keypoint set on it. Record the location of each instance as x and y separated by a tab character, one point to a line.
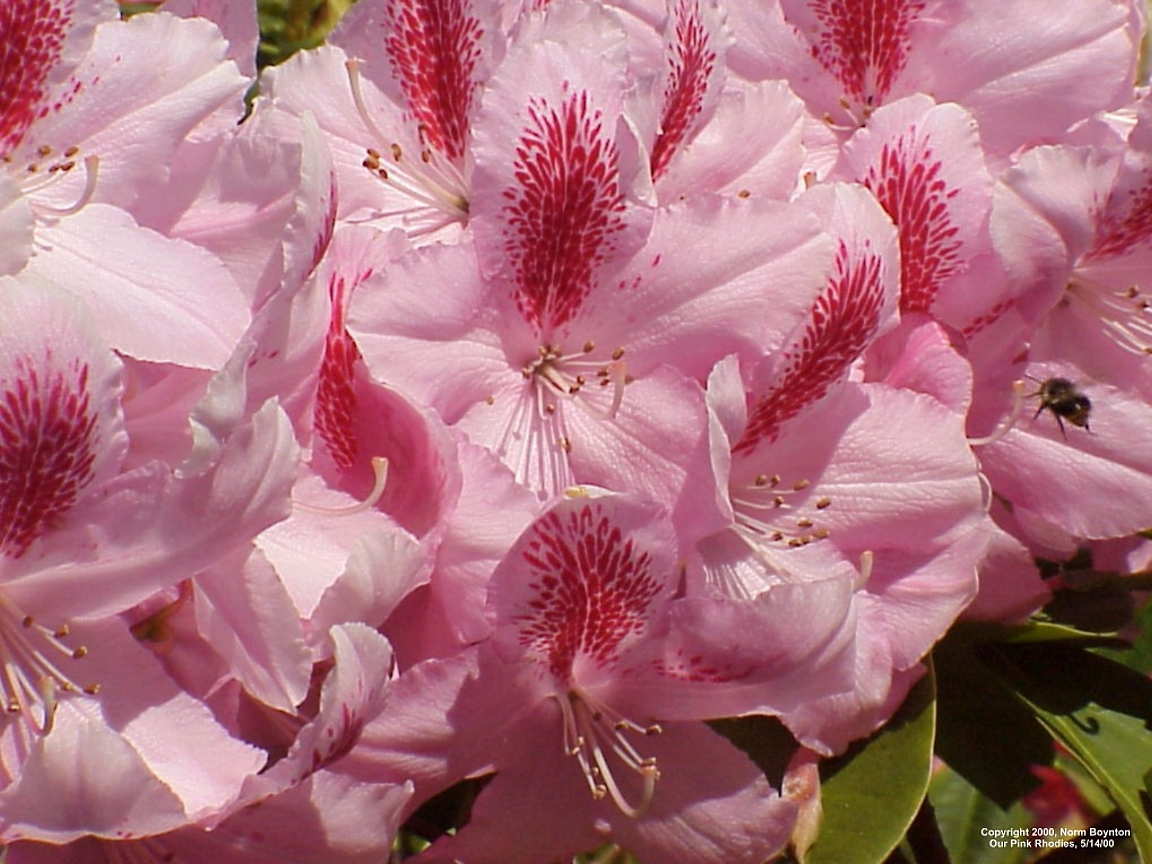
983	732
1049	631
967	820
871	794
1100	711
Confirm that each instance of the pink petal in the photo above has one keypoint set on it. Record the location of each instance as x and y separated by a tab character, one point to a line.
86	779
237	23
16	224
45	40
246	615
189	312
61	427
136	106
564	214
151	529
925	166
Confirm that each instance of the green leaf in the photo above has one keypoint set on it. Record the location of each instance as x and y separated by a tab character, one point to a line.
872	792
967	820
1049	631
983	732
1100	711
1091	791
1138	655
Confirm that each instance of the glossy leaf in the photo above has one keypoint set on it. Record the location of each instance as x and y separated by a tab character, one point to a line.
968	820
871	794
984	732
1100	711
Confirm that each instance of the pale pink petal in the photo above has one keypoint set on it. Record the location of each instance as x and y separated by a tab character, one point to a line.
248	618
566	212
150	528
919	356
189	312
925	166
86	779
737	153
711	804
353	693
311	548
428	200
453	358
1090	482
136	106
383	568
673	305
257	198
1010	585
16	223
491	513
1004	62
237	23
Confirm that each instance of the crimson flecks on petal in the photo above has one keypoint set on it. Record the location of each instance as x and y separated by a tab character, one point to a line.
908	183
434	46
692	59
335	393
1119	233
592	588
47	447
562	215
843	321
32	34
864	43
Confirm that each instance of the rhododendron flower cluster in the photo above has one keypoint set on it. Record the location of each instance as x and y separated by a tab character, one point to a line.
510	388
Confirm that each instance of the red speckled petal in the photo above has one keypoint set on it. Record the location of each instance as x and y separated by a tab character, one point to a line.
430	55
857	303
924	164
864	44
695	43
555	167
587	581
61	429
41	41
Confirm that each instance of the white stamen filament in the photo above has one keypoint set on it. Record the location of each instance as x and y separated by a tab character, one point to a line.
765	495
866	561
1005	427
431	183
379	470
1125	316
31	679
53	175
592	733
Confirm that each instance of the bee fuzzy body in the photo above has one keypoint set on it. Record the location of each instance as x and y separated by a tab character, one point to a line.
1065	401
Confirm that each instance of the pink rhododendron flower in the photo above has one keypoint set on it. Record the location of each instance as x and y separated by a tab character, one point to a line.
577	672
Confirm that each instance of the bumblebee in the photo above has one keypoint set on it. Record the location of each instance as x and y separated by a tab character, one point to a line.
1060	396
